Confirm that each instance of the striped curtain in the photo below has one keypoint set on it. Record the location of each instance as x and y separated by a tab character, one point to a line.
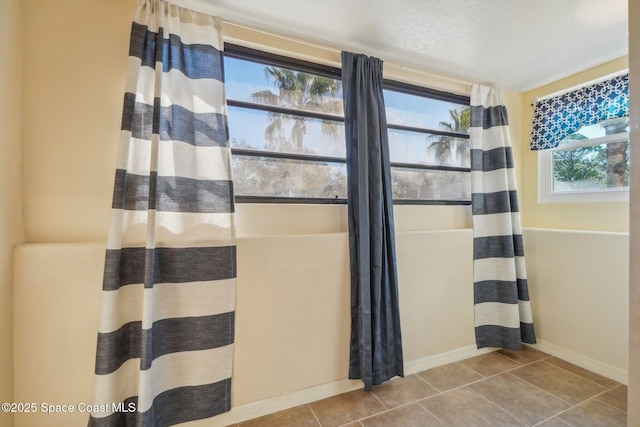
502	310
165	340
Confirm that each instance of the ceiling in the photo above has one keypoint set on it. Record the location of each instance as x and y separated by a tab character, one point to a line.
516	44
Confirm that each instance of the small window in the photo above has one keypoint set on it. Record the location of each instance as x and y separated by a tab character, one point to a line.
590	165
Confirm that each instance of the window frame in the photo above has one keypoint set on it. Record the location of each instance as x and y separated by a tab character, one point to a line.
410	89
546	193
271	59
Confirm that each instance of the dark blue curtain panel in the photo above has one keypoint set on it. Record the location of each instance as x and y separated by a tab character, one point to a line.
376	339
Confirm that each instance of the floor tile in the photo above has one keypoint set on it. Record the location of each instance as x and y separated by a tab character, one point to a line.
560	383
616	397
526	355
595	413
598	379
347	407
449	376
519	398
294	417
413	415
490	364
463	407
401	391
553	422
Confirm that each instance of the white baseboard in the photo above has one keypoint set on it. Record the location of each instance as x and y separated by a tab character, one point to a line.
440	359
270	405
299	397
612	372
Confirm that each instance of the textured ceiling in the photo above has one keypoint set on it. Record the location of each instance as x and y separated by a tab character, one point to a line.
516	44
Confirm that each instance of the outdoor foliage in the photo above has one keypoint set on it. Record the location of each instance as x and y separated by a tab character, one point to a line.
446	148
291	133
592	167
286	133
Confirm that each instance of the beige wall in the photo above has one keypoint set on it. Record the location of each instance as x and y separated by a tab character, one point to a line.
73	73
580	216
74	69
292	315
11	231
578	283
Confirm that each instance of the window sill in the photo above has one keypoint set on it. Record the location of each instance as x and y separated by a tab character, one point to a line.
596	196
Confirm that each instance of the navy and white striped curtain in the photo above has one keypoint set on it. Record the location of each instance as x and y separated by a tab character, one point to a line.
166	333
502	310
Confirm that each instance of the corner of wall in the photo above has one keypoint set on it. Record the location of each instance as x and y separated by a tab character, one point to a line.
11	222
582	216
633	415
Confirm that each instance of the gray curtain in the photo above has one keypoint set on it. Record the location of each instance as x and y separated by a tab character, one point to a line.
501	296
376	342
166	333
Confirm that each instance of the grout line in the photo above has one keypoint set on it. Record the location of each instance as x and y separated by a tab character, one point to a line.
507	371
551	418
578	375
602	401
500	407
594	397
314	414
544	391
381	402
431	385
432	414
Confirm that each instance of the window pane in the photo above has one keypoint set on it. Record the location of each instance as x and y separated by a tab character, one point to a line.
607	127
420	148
262	130
418	111
262	176
594	167
430	185
262	84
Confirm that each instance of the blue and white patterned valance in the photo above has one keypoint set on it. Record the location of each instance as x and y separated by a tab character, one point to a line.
557	117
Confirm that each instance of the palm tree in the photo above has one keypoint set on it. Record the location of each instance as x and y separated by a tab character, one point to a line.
617	154
299	91
443	146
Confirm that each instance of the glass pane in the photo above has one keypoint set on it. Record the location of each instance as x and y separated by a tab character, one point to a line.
417	111
262	176
261	130
595	167
607	127
430	185
419	148
252	82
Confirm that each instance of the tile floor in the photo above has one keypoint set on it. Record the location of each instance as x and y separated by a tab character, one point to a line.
503	388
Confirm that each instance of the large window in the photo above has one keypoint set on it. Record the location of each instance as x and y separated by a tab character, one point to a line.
428	145
286	129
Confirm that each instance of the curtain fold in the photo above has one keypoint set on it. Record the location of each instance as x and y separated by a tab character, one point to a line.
502	309
166	332
376	341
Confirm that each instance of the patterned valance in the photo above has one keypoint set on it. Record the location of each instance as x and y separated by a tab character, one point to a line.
557	117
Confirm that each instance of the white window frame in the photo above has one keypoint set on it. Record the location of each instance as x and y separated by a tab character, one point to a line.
546	193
